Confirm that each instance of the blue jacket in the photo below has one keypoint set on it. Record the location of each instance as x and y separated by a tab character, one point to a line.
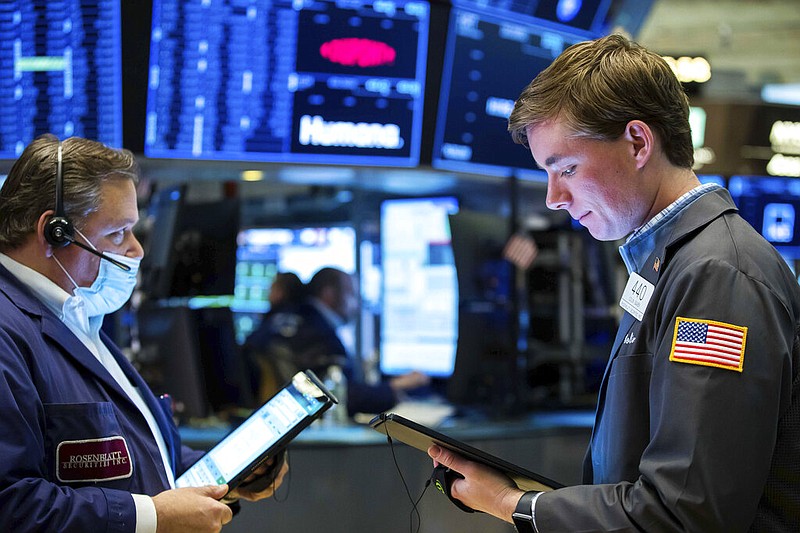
73	445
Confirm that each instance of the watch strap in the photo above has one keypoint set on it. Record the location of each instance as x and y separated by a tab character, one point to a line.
523	514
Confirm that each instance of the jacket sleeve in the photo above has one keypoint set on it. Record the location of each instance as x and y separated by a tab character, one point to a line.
712	430
28	501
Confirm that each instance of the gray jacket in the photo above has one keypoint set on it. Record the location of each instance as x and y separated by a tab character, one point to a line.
679	446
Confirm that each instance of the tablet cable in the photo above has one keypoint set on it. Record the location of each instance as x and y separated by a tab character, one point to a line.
414	503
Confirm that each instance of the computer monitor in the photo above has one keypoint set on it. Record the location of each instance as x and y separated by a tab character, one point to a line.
262	252
576	15
716	179
204	249
288	81
485	364
771	205
191	354
626	16
159	227
489	59
419	312
60	72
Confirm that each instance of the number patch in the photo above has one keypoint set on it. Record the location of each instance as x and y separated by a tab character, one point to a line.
636	295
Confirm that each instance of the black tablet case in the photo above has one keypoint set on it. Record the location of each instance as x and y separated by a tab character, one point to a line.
421	437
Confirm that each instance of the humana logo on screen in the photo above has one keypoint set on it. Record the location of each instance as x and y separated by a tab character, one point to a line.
317	131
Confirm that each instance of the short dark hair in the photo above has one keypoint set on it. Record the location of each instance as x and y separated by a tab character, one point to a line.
324	278
290	285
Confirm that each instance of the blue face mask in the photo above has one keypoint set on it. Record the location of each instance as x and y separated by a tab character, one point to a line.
111	288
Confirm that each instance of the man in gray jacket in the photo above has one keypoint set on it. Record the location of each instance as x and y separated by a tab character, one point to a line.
698	416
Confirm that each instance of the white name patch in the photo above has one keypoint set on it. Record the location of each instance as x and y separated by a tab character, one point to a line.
636	295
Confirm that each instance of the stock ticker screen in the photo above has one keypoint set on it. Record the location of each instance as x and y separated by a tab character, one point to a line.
488	62
312	81
584	15
60	71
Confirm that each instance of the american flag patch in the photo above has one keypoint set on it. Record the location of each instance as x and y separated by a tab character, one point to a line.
708	343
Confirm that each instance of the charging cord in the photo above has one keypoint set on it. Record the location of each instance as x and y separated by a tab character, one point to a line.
414	503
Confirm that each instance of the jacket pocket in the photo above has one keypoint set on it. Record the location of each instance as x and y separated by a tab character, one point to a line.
85	445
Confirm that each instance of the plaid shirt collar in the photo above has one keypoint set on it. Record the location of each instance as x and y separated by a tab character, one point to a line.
641	243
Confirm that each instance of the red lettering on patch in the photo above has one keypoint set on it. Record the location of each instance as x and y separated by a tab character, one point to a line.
93	460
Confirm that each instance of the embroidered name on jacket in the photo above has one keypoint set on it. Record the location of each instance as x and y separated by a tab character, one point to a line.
93	460
708	343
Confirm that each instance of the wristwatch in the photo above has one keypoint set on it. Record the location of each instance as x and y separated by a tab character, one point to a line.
523	515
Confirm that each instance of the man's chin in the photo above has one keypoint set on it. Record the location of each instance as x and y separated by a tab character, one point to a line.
602	233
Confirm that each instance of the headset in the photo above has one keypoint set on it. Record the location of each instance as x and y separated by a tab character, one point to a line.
59	231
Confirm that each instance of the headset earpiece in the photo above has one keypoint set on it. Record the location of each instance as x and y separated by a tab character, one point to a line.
58	231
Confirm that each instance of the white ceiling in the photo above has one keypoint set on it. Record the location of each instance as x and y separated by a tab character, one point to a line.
747	42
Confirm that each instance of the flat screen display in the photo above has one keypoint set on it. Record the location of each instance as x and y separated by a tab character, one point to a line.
419	316
318	81
585	15
60	72
162	220
772	206
712	178
488	62
263	252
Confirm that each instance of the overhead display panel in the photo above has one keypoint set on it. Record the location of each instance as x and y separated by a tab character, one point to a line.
60	71
488	61
287	81
582	15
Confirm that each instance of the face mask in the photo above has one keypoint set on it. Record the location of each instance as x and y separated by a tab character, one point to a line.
111	288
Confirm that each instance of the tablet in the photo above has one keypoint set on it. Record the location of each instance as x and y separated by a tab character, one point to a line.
264	434
421	437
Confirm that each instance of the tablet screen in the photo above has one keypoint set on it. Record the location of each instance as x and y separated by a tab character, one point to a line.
298	402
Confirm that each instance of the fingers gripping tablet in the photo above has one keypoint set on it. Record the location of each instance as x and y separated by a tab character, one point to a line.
442	478
421	437
267	478
264	434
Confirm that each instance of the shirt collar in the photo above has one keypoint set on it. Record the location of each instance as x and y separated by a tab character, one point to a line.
43	288
642	242
65	306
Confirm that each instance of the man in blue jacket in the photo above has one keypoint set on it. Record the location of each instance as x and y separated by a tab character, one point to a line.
306	335
85	445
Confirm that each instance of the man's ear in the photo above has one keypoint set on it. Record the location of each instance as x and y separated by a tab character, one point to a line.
41	223
642	141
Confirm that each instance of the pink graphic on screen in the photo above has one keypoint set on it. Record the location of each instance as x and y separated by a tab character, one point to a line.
358	52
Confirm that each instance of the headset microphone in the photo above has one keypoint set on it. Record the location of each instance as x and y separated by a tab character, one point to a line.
99	254
59	231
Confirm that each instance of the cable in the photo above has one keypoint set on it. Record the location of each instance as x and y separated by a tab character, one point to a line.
414	503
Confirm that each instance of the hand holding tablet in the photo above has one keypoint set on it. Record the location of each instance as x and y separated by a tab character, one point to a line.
264	434
421	437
